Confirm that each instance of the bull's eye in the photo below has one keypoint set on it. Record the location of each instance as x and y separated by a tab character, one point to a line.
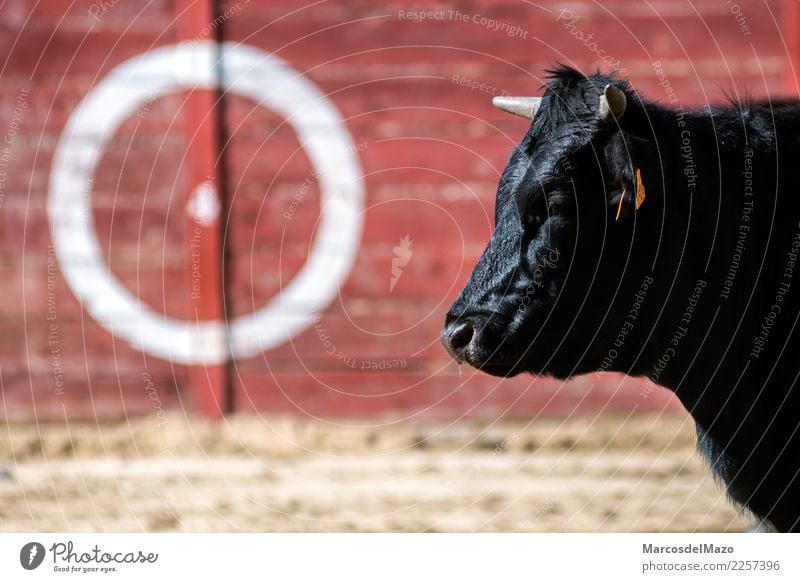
536	211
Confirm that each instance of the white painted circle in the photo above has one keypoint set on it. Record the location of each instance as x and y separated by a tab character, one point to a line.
268	81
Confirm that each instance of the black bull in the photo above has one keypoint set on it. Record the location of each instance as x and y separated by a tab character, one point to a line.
659	243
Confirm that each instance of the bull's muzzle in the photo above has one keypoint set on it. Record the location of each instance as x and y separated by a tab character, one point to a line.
457	337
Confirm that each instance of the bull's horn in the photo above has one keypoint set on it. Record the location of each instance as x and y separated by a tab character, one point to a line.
522	106
613	103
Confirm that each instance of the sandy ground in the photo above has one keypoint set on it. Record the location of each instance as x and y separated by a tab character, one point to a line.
250	473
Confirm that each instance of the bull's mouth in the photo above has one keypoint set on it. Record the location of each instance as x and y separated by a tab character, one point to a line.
499	369
493	367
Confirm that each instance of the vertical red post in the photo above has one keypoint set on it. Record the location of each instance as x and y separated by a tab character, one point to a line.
205	204
791	19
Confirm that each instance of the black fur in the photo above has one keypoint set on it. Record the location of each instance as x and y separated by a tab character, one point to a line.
561	278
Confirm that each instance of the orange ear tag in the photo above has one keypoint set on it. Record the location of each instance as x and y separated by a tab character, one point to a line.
619	208
640	194
639	189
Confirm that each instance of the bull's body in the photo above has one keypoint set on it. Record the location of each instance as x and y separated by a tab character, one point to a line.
719	325
698	289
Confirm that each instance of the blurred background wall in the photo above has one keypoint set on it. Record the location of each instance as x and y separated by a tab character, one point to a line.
412	83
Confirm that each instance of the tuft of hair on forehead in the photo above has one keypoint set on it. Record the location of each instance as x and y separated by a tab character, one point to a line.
572	97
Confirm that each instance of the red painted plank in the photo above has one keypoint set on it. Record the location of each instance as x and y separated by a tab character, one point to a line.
440	396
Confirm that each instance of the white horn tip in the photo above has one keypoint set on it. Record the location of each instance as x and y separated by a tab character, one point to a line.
522	106
613	103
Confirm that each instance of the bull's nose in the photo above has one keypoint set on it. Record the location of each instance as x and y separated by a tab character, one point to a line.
456	337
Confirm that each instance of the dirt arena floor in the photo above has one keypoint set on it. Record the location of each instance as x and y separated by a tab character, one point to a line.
248	473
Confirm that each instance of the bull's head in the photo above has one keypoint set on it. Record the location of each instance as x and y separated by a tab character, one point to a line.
569	191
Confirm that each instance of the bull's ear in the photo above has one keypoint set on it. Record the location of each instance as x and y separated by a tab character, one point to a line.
625	187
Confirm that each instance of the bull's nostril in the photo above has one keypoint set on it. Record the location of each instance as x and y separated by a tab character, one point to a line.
461	336
457	337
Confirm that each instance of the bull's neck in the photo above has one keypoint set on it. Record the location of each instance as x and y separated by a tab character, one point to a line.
690	264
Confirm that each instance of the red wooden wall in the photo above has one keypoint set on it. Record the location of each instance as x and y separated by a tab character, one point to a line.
415	96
